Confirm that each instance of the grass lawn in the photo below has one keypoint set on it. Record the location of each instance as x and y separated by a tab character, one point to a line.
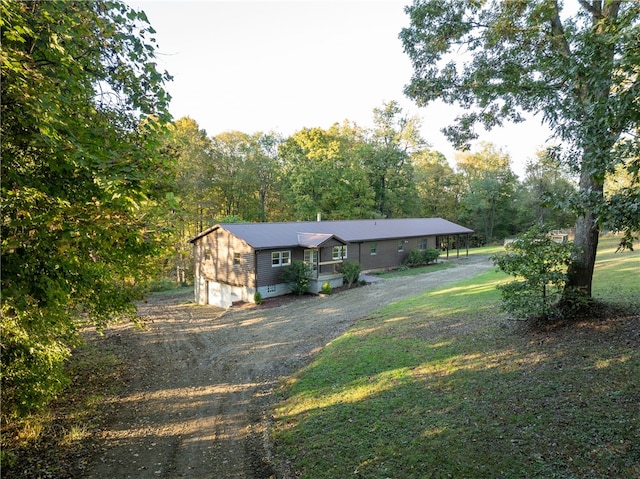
444	386
412	271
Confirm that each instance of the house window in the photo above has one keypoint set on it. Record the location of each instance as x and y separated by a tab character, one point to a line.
422	244
374	248
237	258
280	258
400	246
207	254
339	252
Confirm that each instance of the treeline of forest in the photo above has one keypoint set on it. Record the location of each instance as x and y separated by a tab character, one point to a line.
348	172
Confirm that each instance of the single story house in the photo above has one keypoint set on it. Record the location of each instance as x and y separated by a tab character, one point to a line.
234	261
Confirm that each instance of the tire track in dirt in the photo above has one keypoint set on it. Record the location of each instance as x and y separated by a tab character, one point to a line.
200	377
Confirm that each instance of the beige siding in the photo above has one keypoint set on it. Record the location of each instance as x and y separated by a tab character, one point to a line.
224	258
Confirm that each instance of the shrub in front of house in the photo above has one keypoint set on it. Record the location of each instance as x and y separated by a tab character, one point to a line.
297	276
417	257
350	272
414	258
430	255
326	288
257	297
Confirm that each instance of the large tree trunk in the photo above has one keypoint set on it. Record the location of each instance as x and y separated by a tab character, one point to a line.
580	272
596	143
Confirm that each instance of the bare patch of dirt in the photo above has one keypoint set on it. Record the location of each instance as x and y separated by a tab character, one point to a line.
193	398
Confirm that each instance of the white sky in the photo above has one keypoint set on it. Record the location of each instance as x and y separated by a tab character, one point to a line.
285	65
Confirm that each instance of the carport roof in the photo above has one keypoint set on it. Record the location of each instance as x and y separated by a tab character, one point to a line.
286	235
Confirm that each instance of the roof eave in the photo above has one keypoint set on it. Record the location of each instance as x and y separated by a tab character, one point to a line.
204	233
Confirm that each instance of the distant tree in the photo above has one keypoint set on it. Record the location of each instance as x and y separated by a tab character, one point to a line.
235	185
265	164
393	138
191	202
191	148
242	173
82	176
323	173
578	69
546	192
489	185
437	184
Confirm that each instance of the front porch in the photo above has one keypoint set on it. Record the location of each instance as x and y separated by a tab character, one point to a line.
318	246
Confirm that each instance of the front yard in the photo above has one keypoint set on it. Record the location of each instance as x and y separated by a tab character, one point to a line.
444	385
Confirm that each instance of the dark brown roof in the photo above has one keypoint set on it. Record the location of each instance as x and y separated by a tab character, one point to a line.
285	235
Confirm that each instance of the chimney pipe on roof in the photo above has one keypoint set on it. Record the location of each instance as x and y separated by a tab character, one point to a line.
319	217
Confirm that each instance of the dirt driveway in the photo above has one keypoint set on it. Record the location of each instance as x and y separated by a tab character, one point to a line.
200	378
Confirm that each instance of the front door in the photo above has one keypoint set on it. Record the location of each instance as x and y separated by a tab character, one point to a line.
311	258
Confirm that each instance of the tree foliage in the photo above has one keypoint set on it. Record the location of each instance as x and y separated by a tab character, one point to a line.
489	185
191	149
438	185
232	174
500	60
190	203
546	190
394	138
82	178
324	173
265	163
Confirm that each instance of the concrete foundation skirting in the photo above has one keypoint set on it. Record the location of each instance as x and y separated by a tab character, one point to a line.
334	280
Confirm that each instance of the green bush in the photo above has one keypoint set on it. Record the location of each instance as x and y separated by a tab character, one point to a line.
350	272
414	258
417	257
539	265
297	276
430	255
257	297
326	288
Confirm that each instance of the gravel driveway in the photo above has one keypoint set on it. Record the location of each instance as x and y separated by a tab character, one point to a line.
199	378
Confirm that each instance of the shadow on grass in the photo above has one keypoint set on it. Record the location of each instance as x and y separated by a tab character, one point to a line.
466	393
